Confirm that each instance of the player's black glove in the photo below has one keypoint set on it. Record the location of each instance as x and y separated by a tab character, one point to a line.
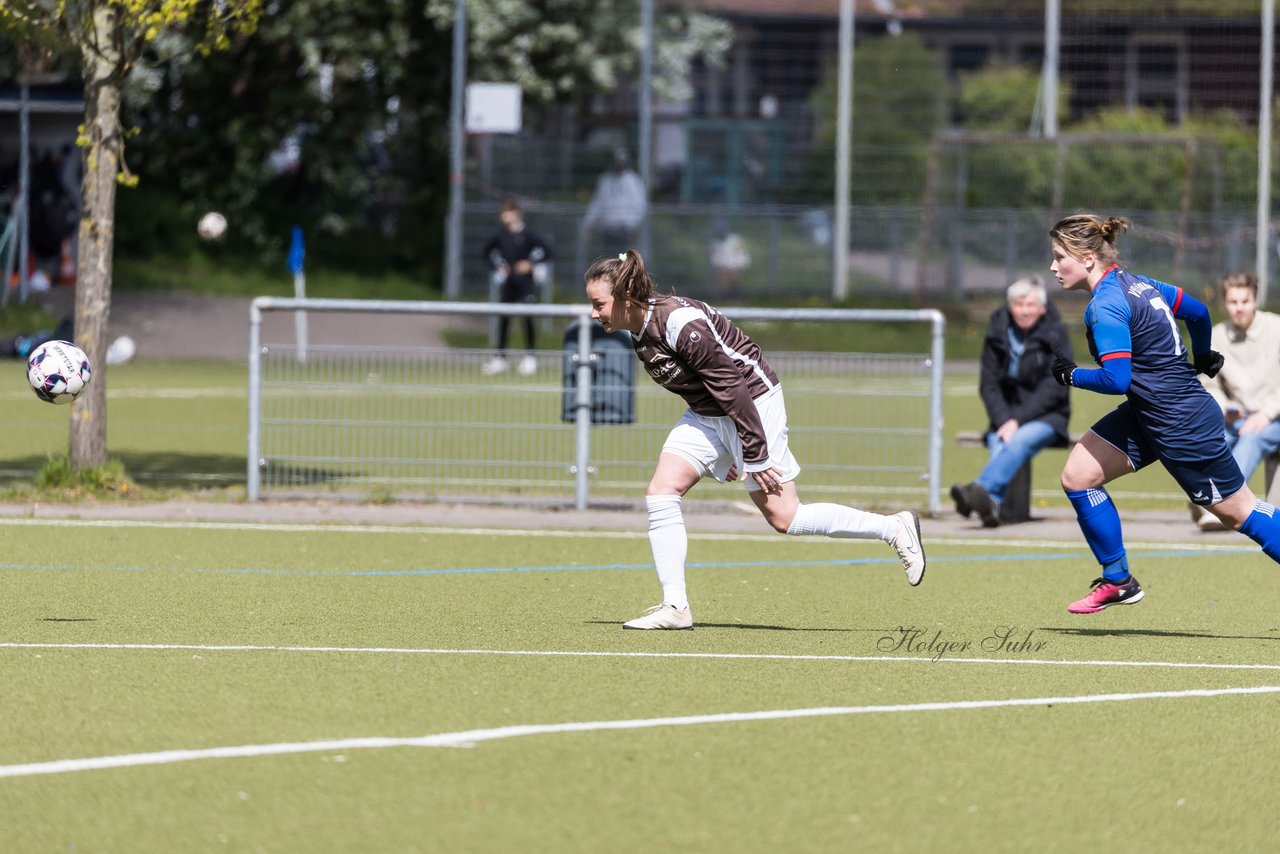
1062	368
1208	363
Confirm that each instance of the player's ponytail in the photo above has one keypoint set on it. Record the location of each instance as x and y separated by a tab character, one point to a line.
626	271
1113	228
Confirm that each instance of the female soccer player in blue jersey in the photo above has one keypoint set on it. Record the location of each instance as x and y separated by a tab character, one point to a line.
1167	415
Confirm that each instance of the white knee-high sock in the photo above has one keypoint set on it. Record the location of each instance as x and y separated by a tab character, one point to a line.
836	520
670	543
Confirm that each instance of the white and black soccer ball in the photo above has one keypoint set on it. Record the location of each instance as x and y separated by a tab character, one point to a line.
58	371
212	225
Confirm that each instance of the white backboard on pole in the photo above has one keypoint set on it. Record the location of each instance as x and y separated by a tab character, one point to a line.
493	108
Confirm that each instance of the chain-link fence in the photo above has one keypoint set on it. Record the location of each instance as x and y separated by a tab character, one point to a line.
955	181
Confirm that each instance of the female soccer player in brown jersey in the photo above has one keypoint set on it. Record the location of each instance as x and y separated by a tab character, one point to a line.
736	426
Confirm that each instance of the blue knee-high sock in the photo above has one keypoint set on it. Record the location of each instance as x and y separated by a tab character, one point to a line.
1263	528
1101	526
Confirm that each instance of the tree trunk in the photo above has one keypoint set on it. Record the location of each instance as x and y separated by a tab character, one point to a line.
102	64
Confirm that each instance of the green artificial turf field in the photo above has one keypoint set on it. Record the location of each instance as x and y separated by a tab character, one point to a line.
261	689
332	688
171	423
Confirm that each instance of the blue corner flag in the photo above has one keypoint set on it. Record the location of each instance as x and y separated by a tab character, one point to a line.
297	254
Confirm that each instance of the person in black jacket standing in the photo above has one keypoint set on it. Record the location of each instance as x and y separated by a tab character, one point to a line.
1028	410
514	251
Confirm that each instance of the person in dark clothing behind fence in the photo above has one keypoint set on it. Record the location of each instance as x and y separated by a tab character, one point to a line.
514	251
1028	411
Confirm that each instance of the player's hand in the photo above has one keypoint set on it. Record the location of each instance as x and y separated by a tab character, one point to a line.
1208	363
1062	368
770	480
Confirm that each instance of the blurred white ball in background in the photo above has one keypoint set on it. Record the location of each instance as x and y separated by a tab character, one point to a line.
212	225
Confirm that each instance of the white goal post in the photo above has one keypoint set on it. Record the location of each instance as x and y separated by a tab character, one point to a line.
392	422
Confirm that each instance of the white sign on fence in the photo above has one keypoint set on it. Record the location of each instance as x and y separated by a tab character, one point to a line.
493	108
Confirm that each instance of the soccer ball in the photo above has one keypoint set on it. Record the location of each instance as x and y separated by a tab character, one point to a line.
58	371
212	225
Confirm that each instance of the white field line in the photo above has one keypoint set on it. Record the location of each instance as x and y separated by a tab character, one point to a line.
469	738
158	393
232	393
311	528
930	658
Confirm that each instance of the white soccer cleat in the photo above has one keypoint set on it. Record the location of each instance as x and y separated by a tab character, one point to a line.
496	365
663	616
908	544
528	366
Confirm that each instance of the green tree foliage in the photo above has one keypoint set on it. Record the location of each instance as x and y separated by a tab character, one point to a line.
334	116
1003	99
1144	10
899	101
1146	175
1213	158
1117	159
567	51
363	91
111	38
30	51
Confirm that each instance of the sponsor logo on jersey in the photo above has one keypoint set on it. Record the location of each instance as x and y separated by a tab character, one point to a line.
664	373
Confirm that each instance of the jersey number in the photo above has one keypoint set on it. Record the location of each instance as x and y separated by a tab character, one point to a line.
1158	303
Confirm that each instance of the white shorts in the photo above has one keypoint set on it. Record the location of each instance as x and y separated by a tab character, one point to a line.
711	443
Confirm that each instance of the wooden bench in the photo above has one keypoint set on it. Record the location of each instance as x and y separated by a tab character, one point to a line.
1016	506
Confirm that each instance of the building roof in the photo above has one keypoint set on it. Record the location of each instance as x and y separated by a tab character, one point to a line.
918	9
867	9
44	98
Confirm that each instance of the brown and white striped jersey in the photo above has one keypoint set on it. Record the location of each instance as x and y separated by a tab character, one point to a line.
693	350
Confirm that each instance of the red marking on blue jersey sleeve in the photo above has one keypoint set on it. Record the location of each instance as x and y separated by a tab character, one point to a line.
1124	354
1177	301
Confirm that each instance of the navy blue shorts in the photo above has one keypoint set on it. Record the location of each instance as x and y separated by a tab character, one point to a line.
1208	480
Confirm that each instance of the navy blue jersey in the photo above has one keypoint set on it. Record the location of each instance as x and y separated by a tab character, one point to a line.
1133	317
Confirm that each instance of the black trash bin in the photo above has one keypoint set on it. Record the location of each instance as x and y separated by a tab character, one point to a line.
613	376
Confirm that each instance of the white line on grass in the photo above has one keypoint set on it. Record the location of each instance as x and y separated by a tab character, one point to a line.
311	528
158	393
468	738
730	656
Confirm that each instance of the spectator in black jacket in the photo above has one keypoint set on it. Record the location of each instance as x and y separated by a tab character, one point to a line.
1028	410
515	252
